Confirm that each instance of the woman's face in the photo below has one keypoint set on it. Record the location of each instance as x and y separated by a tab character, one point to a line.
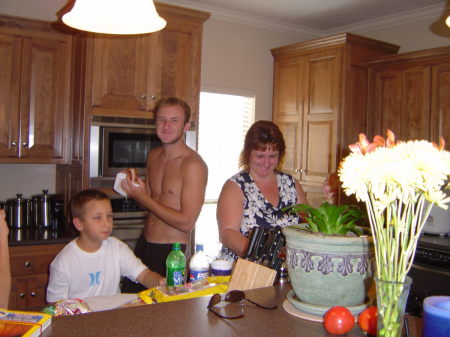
264	163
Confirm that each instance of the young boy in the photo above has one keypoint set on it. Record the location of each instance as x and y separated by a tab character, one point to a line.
93	263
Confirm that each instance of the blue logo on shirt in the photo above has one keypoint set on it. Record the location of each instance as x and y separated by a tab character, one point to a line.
94	278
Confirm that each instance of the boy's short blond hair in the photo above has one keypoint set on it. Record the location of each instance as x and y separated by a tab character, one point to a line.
80	200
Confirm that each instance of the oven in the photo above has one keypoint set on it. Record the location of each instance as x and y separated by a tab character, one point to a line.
430	271
128	220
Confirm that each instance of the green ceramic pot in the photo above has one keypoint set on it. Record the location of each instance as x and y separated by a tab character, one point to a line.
329	270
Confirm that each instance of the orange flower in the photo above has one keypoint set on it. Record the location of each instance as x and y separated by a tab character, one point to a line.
364	146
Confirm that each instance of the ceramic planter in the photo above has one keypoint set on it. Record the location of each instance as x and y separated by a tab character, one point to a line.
328	270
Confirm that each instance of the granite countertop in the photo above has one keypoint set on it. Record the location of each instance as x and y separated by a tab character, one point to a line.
39	236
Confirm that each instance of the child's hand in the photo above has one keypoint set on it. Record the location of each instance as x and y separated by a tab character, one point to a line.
162	281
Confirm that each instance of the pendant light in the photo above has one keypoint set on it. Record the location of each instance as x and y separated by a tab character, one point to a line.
114	16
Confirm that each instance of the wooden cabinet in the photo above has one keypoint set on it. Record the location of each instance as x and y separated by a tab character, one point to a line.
130	73
320	90
410	95
35	65
30	272
123	76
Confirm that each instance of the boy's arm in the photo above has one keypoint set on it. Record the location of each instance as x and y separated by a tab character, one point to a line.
5	271
150	279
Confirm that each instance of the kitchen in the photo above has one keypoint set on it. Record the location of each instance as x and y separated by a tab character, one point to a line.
244	62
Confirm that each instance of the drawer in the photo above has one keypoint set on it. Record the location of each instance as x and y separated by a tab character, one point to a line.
27	260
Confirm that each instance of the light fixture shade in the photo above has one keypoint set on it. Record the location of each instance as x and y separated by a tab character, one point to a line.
447	21
115	16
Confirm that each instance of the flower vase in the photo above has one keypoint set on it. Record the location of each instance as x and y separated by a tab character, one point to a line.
391	301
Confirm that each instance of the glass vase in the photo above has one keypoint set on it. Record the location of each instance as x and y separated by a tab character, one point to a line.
391	301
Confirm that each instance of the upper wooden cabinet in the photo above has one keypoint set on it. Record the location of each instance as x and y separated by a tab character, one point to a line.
409	94
131	72
320	90
35	63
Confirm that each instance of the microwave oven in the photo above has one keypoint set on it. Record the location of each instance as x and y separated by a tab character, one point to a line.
117	143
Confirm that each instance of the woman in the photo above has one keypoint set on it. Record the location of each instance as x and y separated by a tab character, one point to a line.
256	195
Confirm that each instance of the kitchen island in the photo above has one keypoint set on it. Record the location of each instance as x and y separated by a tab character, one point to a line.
192	318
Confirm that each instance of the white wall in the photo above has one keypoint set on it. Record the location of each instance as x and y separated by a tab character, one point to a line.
237	56
414	35
26	179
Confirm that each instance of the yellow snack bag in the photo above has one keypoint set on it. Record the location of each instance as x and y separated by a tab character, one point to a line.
211	285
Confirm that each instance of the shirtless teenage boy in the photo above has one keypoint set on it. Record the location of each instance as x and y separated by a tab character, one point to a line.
174	189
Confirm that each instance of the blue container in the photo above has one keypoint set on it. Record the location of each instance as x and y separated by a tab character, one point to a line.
436	316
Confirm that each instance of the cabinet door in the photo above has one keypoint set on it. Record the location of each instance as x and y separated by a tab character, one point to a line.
324	83
121	72
10	65
440	102
288	110
402	103
180	58
44	99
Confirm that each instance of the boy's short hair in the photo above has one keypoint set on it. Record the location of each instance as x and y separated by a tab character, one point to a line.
82	198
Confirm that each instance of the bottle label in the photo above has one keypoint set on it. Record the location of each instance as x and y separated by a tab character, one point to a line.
195	275
175	277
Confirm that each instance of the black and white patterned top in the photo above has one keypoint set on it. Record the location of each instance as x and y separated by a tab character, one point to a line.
260	212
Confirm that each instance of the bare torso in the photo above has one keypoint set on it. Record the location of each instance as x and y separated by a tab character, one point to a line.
166	180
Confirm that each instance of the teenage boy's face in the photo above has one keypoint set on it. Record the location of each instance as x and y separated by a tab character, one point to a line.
170	124
97	221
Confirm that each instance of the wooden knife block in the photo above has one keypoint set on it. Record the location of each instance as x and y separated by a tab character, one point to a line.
249	275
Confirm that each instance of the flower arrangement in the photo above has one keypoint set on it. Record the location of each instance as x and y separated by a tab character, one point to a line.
399	183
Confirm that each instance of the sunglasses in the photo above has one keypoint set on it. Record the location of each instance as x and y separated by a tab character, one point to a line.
235	307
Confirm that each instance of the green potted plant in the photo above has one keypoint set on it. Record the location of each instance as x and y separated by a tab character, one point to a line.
329	257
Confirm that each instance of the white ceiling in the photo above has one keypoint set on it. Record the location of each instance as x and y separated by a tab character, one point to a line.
314	16
320	15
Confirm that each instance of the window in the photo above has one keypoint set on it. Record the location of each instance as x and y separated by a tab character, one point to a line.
224	120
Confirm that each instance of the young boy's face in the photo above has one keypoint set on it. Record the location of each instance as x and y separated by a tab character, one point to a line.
97	222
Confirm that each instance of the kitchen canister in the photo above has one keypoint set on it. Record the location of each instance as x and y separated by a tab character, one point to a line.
436	316
18	212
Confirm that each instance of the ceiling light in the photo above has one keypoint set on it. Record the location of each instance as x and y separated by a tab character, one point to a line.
448	21
114	16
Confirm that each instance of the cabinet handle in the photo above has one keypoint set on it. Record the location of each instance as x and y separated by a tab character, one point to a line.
22	295
27	264
143	96
13	144
301	171
24	144
33	294
153	97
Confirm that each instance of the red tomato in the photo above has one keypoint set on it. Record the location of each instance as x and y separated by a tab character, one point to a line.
367	320
338	320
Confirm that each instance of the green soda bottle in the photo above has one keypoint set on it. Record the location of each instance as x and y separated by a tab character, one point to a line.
175	266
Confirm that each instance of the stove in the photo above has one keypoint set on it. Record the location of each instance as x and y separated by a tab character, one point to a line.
430	271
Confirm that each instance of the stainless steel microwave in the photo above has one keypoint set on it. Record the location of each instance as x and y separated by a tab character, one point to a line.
117	143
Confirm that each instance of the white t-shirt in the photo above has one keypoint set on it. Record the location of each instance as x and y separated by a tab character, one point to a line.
75	273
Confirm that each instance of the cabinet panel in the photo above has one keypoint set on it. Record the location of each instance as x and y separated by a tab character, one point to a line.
387	102
319	153
43	114
291	136
10	60
415	113
440	102
35	65
120	71
324	78
289	98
